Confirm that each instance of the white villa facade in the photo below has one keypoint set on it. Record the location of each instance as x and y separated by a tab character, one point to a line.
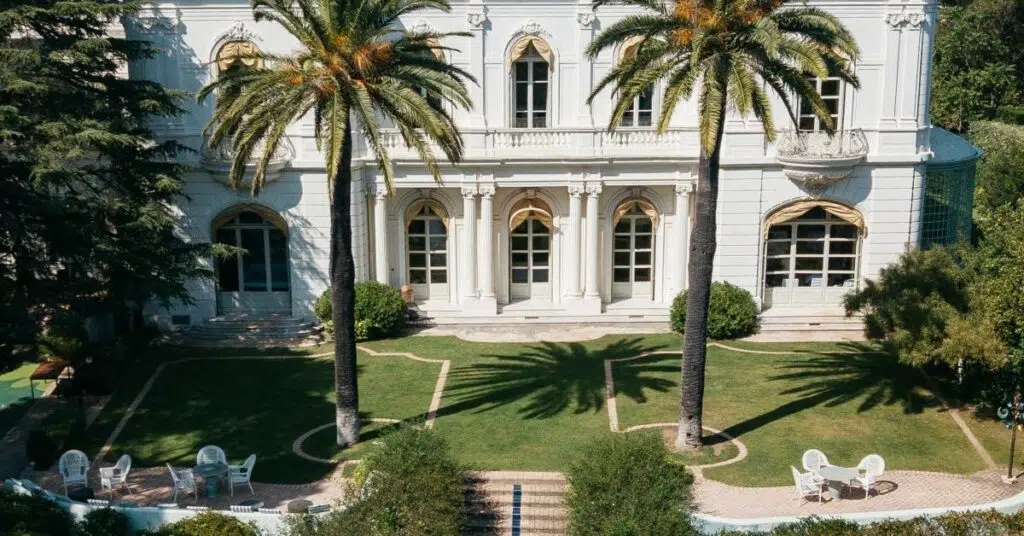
551	217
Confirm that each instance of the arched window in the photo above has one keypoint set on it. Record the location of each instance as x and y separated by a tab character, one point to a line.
530	226
641	111
531	60
264	265
234	54
427	249
633	249
811	253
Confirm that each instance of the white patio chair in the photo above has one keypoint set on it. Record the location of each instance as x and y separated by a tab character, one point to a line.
319	508
269	510
211	454
198	508
813	460
117	475
805	485
74	469
185	481
873	466
241	474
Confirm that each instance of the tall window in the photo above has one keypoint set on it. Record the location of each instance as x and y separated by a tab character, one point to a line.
427	249
530	88
814	250
831	91
641	111
264	265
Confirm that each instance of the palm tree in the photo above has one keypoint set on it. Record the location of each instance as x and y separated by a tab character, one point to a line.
355	65
729	52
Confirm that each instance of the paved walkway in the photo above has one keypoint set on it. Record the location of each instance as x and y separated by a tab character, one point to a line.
539	332
898	490
152	485
12	447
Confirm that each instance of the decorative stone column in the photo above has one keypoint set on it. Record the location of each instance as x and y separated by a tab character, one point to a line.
572	284
593	259
487	298
476	18
380	235
468	273
682	235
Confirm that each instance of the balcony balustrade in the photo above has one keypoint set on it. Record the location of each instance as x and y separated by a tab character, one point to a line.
815	160
218	159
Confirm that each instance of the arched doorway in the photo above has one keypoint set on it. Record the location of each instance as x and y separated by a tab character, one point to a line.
258	279
811	253
426	226
633	233
530	226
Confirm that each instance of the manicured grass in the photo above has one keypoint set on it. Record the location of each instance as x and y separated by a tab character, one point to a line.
781	405
995	437
16	394
531	406
261	406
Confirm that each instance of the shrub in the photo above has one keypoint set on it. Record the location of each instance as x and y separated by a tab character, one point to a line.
26	515
626	484
986	523
104	522
380	310
413	488
41	449
208	524
56	434
732	312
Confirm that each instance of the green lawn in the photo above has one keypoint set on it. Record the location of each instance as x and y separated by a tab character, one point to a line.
261	406
995	438
16	394
781	405
531	406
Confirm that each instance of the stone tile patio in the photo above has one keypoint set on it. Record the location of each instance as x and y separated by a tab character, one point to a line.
898	490
152	485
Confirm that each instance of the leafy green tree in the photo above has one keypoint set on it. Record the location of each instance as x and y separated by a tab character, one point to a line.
354	64
977	60
728	52
85	191
1000	174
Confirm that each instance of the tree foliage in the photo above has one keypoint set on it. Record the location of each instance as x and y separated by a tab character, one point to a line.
1000	175
85	190
979	57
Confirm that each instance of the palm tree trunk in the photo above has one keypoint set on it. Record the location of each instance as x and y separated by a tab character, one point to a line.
702	257
343	299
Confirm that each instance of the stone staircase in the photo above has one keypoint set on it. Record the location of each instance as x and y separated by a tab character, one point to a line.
260	331
515	504
798	323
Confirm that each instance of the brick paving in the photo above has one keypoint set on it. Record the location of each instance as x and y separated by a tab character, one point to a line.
898	490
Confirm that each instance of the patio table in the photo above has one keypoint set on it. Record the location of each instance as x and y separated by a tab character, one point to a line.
210	473
838	477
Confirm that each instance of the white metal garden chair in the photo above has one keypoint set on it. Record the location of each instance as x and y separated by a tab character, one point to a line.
211	454
185	481
74	469
241	474
873	466
111	477
813	460
805	485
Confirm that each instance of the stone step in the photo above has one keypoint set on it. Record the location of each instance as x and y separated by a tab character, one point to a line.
822	326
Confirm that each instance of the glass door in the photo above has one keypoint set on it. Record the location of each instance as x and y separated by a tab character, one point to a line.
530	257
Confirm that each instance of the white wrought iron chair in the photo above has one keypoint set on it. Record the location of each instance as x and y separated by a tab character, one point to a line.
813	460
74	469
185	481
805	485
241	474
872	466
111	477
211	454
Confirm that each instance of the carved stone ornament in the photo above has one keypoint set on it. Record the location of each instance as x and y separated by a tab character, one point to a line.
477	19
586	19
814	160
594	190
684	188
575	190
421	27
239	32
532	27
905	18
469	191
486	191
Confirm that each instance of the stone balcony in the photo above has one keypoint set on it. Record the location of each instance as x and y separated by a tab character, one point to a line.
218	159
815	160
569	143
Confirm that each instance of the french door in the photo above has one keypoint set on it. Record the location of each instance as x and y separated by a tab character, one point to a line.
530	256
633	256
427	256
257	280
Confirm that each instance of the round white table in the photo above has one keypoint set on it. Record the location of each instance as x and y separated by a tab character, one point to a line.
838	478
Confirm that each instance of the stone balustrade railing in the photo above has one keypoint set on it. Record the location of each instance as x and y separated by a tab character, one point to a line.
817	160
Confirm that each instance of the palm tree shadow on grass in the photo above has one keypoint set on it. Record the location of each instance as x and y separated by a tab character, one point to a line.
832	380
552	379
